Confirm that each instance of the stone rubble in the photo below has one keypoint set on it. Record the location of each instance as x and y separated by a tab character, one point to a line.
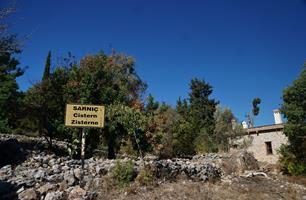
50	177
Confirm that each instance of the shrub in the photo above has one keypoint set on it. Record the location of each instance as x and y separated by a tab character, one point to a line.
296	168
146	176
123	173
288	162
285	158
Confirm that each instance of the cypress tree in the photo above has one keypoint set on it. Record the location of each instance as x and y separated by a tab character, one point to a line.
46	74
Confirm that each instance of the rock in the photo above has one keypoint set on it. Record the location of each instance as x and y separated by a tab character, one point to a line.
247	161
54	196
46	188
77	193
56	169
65	168
63	186
52	162
78	173
150	157
237	162
39	174
20	190
29	194
45	160
55	178
5	172
69	178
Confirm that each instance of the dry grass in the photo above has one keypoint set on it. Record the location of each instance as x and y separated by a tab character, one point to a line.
240	188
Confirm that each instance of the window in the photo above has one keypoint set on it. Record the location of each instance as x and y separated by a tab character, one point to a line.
269	148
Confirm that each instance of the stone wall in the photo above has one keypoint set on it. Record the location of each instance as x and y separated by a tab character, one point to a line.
259	147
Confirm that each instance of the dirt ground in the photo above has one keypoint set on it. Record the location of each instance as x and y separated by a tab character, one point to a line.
233	188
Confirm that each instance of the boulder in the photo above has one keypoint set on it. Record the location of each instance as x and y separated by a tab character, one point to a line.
54	196
239	161
46	188
77	193
29	194
69	178
5	172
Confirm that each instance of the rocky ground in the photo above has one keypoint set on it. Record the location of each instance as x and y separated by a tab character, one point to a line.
29	172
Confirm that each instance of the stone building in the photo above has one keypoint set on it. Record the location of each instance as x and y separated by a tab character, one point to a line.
264	141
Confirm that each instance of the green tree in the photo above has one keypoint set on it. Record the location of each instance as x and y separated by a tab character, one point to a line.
194	130
46	104
182	107
183	138
202	110
96	79
164	118
226	128
151	104
255	103
294	109
107	80
255	111
183	135
125	124
46	74
9	71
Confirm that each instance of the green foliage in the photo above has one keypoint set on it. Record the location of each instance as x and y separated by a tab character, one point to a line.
125	123
9	71
285	158
184	137
194	130
182	107
289	163
159	130
205	143
123	173
255	111
151	104
246	142
294	109
255	103
46	74
202	110
98	79
45	105
128	148
146	176
225	128
296	168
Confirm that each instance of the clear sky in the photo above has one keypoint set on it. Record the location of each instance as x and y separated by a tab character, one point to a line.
243	48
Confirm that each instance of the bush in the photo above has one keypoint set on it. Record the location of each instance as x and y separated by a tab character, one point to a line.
288	162
296	168
285	158
146	176
123	173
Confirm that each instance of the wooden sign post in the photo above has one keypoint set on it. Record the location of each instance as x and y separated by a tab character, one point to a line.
84	116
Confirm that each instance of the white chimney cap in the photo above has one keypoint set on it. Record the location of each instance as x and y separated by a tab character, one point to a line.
277	116
244	125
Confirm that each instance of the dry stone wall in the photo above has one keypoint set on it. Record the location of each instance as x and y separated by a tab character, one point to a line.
51	177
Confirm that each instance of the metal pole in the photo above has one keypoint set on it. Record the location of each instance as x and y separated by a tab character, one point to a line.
83	147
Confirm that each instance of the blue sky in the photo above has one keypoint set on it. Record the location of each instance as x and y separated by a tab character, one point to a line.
243	48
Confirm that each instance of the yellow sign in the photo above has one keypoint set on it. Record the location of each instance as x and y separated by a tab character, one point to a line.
78	115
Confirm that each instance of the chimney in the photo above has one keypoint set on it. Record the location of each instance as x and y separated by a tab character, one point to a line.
234	123
244	125
277	116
